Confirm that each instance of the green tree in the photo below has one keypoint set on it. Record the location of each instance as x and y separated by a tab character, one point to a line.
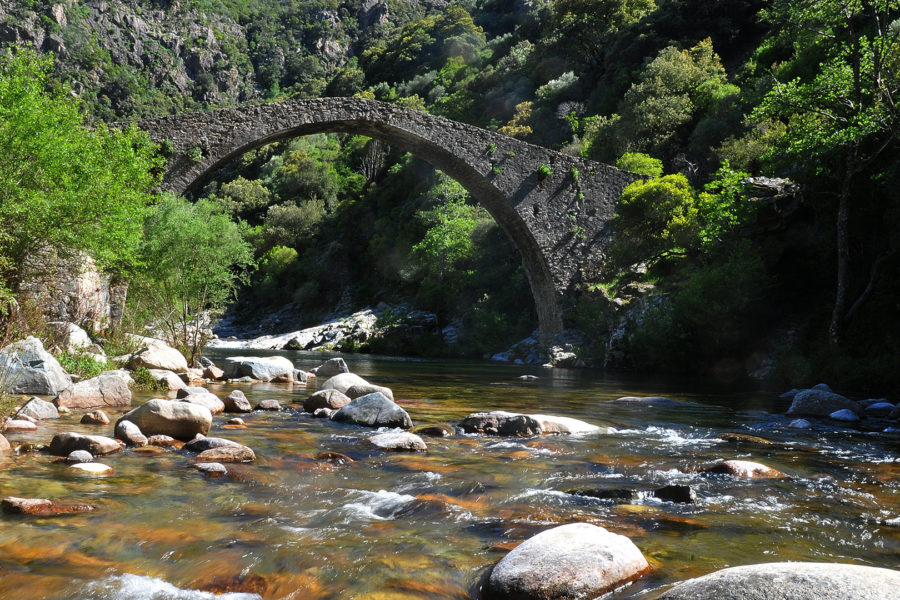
194	257
640	163
842	114
64	188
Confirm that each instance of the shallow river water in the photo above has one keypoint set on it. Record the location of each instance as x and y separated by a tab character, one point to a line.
428	525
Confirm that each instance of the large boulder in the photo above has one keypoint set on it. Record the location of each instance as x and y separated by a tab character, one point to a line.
330	368
204	398
500	422
169	379
108	389
791	581
569	562
374	410
262	368
331	399
29	369
64	444
343	382
236	402
181	420
363	389
156	354
819	403
38	409
70	337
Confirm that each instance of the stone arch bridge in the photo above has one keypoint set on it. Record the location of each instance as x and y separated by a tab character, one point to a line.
556	209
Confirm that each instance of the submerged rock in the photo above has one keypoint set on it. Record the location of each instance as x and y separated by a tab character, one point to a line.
38	409
130	433
746	469
211	469
91	468
330	368
645	400
373	410
181	420
223	454
616	495
97	417
79	456
791	581
202	444
677	493
800	424
41	507
269	404
569	562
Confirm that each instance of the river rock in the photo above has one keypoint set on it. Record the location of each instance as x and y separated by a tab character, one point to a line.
130	433
330	368
5	448
373	410
791	581
169	379
91	468
41	507
746	469
269	404
226	454
213	372
97	417
845	415
363	389
398	441
206	399
162	441
156	354
323	413
79	456
38	409
645	400
64	444
434	430
202	444
29	369
236	402
181	420
800	424
106	390
187	390
234	421
879	409
343	382
69	337
330	398
261	368
819	403
500	422
211	469
677	493
569	562
19	425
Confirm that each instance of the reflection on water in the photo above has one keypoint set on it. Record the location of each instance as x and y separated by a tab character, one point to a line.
427	525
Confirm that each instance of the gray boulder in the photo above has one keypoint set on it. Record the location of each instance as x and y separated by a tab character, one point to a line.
261	368
236	402
374	410
38	409
156	354
107	390
202	444
187	390
791	581
343	382
500	422
879	409
79	456
167	378
363	389
64	444
569	562
70	337
270	404
819	403
330	368
29	369
330	398
130	433
398	442
845	415
204	398
180	420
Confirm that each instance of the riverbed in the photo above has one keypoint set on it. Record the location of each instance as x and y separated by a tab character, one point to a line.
429	525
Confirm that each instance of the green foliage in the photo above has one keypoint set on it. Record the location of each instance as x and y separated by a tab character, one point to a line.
64	187
193	259
641	164
145	381
544	171
81	364
195	154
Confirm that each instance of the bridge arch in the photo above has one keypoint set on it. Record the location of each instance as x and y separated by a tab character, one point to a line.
554	208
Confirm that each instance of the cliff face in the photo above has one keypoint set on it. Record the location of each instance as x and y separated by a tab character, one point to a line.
141	58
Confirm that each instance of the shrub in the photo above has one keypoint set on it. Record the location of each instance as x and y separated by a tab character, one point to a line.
82	364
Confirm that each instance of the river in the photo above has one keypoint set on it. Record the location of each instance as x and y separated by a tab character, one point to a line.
428	525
